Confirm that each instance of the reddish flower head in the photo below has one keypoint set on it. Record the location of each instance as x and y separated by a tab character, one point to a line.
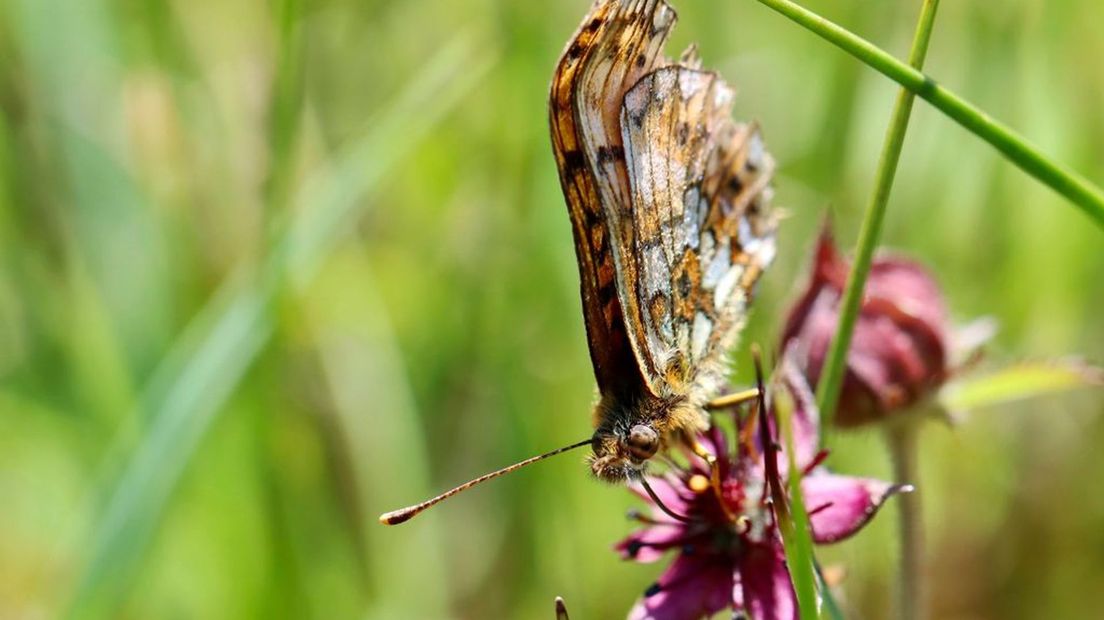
899	349
730	555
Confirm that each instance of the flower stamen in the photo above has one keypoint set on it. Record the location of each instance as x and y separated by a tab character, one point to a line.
820	508
743	525
714	476
698	483
817	461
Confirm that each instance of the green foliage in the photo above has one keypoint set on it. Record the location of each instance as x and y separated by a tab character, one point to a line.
978	391
205	367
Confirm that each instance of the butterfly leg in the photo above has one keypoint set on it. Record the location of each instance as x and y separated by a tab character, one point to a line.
735	398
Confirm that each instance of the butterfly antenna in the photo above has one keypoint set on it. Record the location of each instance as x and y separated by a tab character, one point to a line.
561	609
396	517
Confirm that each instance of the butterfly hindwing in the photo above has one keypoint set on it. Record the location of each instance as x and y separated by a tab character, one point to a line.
702	229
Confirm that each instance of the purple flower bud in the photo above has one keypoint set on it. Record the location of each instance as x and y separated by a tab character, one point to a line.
899	350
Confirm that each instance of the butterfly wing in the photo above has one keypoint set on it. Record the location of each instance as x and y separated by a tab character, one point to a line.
701	231
668	201
617	43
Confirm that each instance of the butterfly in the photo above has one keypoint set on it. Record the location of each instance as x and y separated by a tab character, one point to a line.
669	201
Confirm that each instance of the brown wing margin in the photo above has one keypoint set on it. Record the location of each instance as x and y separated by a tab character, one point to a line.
615	366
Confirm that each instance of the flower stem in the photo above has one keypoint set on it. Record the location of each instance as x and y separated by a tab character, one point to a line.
831	378
902	438
1074	187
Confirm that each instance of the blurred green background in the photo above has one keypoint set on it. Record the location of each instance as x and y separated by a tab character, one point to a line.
271	267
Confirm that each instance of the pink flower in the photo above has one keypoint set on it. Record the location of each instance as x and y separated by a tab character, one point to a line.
730	555
900	348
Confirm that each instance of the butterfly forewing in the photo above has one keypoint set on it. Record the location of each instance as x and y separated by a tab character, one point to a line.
617	43
614	364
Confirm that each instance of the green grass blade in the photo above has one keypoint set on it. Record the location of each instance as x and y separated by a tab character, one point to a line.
208	362
195	380
831	606
797	539
831	377
337	189
1074	187
285	109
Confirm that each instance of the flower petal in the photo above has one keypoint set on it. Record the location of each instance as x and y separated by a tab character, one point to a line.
910	286
737	593
806	417
840	505
667	489
692	587
900	344
829	275
768	591
651	543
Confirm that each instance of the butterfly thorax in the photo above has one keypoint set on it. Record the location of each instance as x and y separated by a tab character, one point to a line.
631	430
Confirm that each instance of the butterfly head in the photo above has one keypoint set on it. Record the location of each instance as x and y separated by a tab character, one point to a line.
620	453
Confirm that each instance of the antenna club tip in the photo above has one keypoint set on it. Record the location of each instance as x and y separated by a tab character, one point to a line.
396	517
561	609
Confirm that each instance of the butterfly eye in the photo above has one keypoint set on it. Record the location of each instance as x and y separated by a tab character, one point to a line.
643	442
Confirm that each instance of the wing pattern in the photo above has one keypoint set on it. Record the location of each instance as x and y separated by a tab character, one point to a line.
703	232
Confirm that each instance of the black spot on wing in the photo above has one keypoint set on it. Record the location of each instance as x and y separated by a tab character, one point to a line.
683	133
607	154
574	160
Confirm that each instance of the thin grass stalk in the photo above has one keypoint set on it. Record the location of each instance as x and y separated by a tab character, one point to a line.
831	378
831	606
1077	189
285	110
911	584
